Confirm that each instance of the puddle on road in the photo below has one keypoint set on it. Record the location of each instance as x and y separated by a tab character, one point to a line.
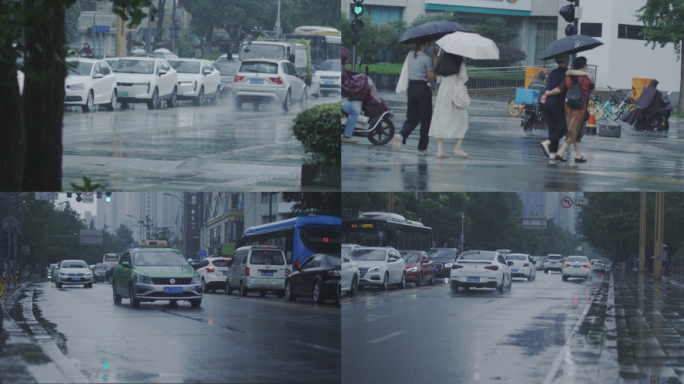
49	327
542	332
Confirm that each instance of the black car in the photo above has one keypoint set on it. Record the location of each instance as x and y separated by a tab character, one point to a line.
109	274
443	259
318	277
100	272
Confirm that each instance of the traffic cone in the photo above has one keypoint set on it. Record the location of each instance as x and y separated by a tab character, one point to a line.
591	123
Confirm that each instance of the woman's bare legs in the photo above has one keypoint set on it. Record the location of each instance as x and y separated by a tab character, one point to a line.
440	148
457	149
562	149
578	154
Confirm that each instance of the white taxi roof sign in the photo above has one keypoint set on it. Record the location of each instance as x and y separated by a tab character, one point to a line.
152	243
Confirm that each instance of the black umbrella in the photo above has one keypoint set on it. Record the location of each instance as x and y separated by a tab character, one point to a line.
432	30
569	45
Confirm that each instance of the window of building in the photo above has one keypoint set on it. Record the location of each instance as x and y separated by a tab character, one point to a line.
264	197
381	14
631	32
215	235
592	29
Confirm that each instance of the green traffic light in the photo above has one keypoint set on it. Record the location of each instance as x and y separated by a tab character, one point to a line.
108	199
357	10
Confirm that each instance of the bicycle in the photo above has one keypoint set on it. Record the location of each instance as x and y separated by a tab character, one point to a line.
514	109
627	104
610	108
595	106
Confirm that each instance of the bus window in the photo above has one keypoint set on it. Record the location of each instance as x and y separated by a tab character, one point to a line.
321	240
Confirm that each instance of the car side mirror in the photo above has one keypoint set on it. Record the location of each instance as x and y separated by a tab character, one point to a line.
291	58
98	76
207	72
510	263
162	72
126	264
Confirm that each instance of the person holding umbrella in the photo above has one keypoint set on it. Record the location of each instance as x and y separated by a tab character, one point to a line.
418	68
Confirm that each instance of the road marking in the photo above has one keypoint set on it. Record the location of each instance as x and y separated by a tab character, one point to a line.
282	304
391	335
366	298
317	347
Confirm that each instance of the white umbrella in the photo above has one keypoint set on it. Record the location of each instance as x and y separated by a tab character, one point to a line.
470	45
136	51
162	50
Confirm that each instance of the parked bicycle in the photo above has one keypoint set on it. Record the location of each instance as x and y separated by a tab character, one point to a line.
627	104
595	106
610	108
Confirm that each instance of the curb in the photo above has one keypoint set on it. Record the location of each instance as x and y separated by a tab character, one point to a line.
608	367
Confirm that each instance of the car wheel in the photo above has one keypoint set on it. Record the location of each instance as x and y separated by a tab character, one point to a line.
303	100
89	103
173	100
58	285
432	279
510	284
289	295
317	294
565	278
112	103
196	303
124	105
288	101
385	282
243	289
338	296
199	100
154	101
502	287
217	97
213	291
238	104
95	280
546	271
420	280
402	283
354	286
454	287
205	288
280	294
229	289
116	296
262	293
135	303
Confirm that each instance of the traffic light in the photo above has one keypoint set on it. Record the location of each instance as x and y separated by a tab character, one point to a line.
571	13
567	12
357	25
78	197
357	11
570	30
99	195
108	197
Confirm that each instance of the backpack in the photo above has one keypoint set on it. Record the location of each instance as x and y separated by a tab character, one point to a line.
575	97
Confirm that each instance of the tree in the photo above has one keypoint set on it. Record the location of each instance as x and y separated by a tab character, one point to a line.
162	233
295	13
160	20
353	203
184	47
125	234
494	28
320	203
507	56
71	22
663	24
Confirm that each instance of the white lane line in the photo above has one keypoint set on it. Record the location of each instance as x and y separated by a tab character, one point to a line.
317	347
391	335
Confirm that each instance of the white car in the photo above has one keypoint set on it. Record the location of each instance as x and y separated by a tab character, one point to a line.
265	81
197	80
485	269
553	262
577	266
380	266
597	265
523	266
608	266
73	272
348	248
111	60
145	80
327	79
349	275
88	83
213	271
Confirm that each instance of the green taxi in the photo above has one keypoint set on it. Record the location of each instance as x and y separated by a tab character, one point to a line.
152	272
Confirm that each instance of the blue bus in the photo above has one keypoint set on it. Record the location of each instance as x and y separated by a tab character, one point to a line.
299	237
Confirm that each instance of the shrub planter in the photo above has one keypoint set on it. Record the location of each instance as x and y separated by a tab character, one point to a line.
321	175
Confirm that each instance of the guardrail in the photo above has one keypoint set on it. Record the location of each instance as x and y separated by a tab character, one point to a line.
505	77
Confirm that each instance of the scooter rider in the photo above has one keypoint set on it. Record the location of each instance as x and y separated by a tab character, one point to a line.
651	102
348	107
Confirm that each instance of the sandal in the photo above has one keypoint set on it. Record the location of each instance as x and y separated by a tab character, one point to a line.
460	154
582	160
560	159
442	156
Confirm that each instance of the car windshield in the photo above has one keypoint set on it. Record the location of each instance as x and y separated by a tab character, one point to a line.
369	254
516	257
331	65
74	264
134	66
267	257
489	256
334	260
442	253
80	69
220	263
262	51
346	248
159	259
411	257
576	260
259	67
227	68
185	66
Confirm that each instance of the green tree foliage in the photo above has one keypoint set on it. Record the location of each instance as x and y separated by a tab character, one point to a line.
353	203
494	28
664	23
313	126
125	234
320	203
507	56
185	49
163	233
297	13
71	22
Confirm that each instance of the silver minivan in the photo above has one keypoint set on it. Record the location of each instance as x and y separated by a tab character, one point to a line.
257	268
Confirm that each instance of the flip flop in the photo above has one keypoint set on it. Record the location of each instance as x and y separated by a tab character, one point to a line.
560	159
461	154
442	156
582	160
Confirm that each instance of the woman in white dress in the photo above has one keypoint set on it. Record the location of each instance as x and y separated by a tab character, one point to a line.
450	118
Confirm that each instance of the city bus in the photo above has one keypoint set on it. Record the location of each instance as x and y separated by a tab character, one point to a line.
325	42
299	237
382	229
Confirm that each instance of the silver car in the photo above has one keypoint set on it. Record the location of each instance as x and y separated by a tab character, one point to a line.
73	272
268	81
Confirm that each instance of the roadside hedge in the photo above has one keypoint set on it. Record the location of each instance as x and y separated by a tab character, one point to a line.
318	130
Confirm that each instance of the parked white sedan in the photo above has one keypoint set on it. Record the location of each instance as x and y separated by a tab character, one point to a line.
380	266
197	79
90	82
145	80
523	266
349	275
484	269
577	266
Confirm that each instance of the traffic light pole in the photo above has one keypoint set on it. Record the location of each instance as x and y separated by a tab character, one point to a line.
577	31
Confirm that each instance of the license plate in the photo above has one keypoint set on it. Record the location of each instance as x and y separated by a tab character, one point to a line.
328	83
225	273
474	279
123	93
266	273
256	81
575	266
515	270
553	262
436	269
173	289
75	279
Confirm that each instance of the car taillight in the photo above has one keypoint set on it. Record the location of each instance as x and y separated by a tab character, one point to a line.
526	265
546	260
237	78
247	271
456	266
210	268
334	273
588	266
277	80
492	267
566	265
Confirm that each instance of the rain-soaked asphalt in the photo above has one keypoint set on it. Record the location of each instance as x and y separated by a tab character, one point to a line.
504	158
228	339
186	148
429	334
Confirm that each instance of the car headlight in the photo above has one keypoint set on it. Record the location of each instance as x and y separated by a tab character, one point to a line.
63	274
143	279
76	87
196	279
448	265
414	269
374	269
88	273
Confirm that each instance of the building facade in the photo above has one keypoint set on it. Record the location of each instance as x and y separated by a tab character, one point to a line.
265	207
223	222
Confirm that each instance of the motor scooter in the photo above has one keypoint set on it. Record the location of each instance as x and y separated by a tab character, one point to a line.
379	129
649	124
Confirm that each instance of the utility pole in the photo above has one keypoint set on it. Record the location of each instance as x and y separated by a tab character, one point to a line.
120	40
2	233
173	26
659	224
642	234
149	29
270	207
277	26
462	224
390	202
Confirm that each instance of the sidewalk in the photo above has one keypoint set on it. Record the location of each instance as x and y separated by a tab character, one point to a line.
632	333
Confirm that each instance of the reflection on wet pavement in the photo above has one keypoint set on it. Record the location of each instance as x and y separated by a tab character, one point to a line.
541	333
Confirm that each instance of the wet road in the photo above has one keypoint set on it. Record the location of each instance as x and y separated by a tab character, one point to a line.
186	148
228	339
430	334
504	158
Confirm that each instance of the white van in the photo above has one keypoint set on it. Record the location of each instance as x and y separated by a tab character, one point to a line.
259	268
110	258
